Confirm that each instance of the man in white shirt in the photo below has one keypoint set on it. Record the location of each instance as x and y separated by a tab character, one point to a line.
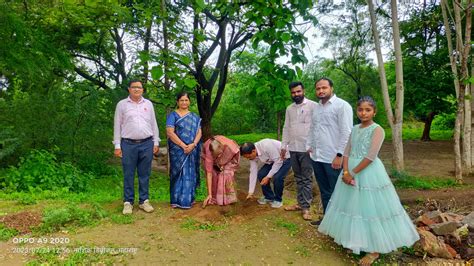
135	139
275	168
295	133
330	129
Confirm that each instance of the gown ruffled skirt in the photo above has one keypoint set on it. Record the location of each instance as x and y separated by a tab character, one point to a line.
368	217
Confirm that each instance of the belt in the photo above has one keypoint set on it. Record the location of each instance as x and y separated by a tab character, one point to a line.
136	141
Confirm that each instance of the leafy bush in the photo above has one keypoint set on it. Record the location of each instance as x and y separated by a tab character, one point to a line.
444	121
95	163
56	218
41	170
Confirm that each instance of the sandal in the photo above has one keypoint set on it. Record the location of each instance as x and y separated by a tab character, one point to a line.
295	207
368	259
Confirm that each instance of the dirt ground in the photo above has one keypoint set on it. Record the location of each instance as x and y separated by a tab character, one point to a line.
433	159
247	233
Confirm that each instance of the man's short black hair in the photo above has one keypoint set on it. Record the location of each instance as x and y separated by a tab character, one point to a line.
133	81
247	148
295	84
324	78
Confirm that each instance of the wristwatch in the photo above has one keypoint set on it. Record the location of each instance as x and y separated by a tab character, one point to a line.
339	154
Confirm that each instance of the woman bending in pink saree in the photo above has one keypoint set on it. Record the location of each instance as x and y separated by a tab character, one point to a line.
221	158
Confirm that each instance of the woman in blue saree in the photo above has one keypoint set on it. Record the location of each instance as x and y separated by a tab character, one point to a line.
183	129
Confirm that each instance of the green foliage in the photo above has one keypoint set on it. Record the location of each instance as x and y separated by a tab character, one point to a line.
413	131
428	79
344	86
444	121
403	180
259	84
79	123
350	42
105	190
122	219
95	163
408	250
56	218
68	256
291	227
7	233
26	199
27	53
253	137
302	251
42	170
192	224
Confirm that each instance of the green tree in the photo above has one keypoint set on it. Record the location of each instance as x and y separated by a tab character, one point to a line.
349	40
426	72
222	29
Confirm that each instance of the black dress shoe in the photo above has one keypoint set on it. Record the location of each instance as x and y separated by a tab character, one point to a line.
315	223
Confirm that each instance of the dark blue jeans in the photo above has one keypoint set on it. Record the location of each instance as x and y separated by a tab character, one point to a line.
278	181
326	176
136	157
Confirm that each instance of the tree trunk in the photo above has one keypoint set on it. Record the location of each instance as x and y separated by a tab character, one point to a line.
472	108
382	75
397	140
463	47
397	121
449	38
397	137
457	139
427	128
146	48
165	51
206	129
466	139
278	125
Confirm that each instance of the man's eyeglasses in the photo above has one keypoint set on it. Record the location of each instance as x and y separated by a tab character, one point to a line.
136	87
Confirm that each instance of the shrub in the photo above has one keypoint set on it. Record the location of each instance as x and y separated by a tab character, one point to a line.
56	218
94	163
41	170
444	121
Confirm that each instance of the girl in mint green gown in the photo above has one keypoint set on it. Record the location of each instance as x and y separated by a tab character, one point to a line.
365	213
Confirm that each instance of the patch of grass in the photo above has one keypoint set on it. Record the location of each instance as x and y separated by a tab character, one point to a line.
68	256
56	218
291	227
102	190
122	219
7	233
408	250
411	132
192	224
253	137
403	180
25	199
302	251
